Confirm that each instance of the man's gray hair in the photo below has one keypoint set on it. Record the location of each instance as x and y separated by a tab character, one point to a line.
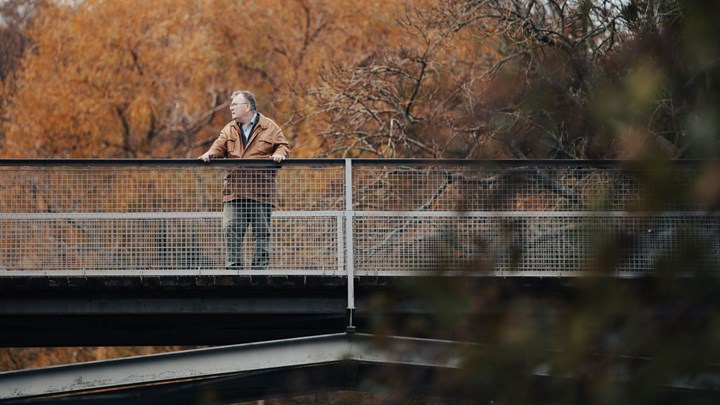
249	97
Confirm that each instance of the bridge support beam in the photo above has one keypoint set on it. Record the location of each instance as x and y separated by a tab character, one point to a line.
117	379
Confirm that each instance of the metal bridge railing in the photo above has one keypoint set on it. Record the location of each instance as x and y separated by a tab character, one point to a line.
344	217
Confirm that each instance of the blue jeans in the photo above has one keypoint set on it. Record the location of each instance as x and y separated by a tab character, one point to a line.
237	216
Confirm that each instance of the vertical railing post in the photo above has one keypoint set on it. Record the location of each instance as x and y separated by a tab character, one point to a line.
349	262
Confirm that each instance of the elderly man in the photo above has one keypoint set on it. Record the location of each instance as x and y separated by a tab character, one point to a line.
248	194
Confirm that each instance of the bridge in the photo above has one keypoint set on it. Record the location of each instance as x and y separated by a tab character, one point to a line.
131	252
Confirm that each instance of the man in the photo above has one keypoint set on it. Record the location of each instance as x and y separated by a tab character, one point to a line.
248	194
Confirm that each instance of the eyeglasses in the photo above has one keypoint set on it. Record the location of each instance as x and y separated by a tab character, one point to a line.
233	105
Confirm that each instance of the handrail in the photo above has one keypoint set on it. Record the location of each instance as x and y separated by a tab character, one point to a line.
341	161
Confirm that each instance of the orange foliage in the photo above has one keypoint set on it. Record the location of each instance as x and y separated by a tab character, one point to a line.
132	78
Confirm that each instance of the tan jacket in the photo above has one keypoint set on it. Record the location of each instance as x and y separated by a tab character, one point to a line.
251	182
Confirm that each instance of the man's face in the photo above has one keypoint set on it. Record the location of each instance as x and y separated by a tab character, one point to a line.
240	109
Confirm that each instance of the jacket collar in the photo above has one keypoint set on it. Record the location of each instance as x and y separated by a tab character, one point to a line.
261	122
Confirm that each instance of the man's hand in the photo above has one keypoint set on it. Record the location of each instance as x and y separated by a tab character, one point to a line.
205	157
277	158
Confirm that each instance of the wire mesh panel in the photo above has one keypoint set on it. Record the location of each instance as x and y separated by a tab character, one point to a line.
515	187
523	218
59	216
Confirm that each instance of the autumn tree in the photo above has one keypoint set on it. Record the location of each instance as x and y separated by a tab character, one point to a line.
15	18
537	98
138	79
406	99
527	79
105	80
293	43
547	95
